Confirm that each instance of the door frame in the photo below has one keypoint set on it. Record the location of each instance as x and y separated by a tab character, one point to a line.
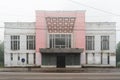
60	61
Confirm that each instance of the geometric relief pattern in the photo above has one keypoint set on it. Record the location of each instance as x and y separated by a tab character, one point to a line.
60	24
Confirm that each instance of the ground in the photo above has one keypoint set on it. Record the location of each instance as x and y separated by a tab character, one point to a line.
58	76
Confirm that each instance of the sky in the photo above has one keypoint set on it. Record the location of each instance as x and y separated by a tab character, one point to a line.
24	10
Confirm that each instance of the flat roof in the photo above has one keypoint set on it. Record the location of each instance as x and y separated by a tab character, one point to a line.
61	10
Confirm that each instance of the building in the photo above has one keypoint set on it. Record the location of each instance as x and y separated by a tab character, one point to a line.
101	43
18	43
60	39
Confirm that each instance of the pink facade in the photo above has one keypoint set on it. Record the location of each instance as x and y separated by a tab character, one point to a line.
40	30
79	29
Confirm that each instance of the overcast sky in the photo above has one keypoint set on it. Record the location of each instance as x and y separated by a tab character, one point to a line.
24	10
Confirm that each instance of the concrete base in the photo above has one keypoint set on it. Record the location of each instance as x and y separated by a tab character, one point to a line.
98	66
45	66
78	66
70	70
54	66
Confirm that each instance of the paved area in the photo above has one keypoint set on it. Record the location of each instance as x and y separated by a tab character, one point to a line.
58	76
65	70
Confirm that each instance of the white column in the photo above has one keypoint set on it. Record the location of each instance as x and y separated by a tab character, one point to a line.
97	43
112	59
105	59
82	58
112	42
97	58
7	59
7	43
90	58
38	59
31	58
22	43
23	55
15	59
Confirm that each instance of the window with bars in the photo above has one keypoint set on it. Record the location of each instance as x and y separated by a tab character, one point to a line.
104	42
11	56
59	40
30	42
90	43
27	58
15	42
18	56
34	58
105	58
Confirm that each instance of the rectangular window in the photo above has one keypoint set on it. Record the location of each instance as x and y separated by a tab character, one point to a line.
104	42
15	42
27	58
86	58
30	42
105	58
93	58
101	58
72	59
108	58
18	56
89	42
59	40
11	56
34	58
48	59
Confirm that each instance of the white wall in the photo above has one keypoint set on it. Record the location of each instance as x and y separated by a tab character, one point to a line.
98	29
16	28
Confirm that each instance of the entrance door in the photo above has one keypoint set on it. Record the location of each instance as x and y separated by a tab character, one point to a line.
60	61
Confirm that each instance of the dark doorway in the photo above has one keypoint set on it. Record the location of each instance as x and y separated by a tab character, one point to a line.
60	61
